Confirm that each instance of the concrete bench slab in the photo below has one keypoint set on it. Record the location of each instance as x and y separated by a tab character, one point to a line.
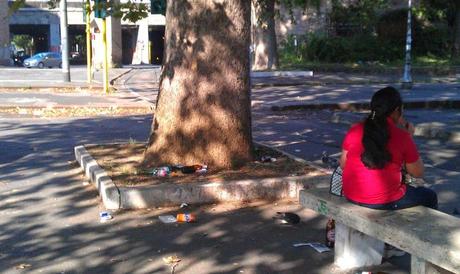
430	236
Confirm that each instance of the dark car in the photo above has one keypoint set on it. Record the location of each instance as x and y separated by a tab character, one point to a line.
44	59
19	58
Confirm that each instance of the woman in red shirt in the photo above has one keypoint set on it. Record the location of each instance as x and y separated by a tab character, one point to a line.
374	153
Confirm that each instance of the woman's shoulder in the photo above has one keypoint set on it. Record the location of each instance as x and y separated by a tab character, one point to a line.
357	127
355	131
399	132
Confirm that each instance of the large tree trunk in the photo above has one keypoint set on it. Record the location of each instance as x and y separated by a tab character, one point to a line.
203	112
456	31
4	34
264	35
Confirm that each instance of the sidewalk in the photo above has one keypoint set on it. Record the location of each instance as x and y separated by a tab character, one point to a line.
334	90
331	78
49	96
353	96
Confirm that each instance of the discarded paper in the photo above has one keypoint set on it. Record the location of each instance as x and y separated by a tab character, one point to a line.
167	219
319	247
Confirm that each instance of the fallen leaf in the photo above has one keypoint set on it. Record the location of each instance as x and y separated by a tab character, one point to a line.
171	260
23	266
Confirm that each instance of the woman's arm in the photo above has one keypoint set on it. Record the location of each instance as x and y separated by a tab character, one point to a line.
416	169
343	158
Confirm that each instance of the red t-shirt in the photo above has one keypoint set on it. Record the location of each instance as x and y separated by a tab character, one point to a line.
376	186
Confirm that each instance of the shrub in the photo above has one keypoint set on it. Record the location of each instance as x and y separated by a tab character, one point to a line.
327	49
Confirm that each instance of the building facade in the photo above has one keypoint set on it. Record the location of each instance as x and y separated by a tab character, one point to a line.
128	43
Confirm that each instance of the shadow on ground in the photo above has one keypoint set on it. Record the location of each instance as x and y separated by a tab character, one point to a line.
50	219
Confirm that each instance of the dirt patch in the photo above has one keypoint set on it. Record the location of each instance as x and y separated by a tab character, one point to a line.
61	112
57	90
123	164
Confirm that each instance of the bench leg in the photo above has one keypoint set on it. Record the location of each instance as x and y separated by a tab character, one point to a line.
420	266
355	249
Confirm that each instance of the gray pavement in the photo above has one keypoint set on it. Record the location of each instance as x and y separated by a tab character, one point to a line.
18	77
50	217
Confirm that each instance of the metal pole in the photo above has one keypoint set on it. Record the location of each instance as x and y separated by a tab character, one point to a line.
64	42
150	52
406	82
89	74
106	63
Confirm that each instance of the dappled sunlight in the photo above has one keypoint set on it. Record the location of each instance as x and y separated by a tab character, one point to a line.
203	108
50	219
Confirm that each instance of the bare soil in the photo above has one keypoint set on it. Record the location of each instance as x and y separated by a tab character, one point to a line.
58	90
123	164
61	112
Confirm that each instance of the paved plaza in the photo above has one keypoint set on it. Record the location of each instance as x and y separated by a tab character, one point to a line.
50	217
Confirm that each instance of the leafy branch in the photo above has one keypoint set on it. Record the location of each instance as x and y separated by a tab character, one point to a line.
128	11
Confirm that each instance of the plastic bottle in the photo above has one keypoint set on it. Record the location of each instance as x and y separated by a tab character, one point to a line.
185	218
192	169
330	233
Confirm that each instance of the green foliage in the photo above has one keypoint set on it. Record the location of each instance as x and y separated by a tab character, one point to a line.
23	41
327	49
290	5
130	11
355	17
158	7
17	4
365	31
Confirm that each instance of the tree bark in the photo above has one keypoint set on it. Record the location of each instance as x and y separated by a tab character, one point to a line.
456	31
203	112
4	34
264	35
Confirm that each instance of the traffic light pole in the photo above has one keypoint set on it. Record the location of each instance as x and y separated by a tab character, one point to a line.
106	63
64	42
89	72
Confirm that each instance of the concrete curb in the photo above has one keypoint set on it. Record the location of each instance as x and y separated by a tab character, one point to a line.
309	82
143	98
114	79
354	106
115	197
108	191
281	73
428	130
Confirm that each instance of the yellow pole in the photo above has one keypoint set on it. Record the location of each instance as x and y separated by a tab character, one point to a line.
89	75
150	52
106	63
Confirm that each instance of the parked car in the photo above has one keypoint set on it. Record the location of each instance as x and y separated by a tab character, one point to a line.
19	58
44	59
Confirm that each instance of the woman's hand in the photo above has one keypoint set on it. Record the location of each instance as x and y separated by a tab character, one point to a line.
404	124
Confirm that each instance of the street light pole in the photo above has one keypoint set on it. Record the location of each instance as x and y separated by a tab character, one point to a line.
64	42
406	82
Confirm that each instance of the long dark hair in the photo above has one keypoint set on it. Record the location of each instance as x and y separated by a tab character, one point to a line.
376	134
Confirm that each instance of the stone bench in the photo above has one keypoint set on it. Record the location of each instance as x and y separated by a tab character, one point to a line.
430	236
